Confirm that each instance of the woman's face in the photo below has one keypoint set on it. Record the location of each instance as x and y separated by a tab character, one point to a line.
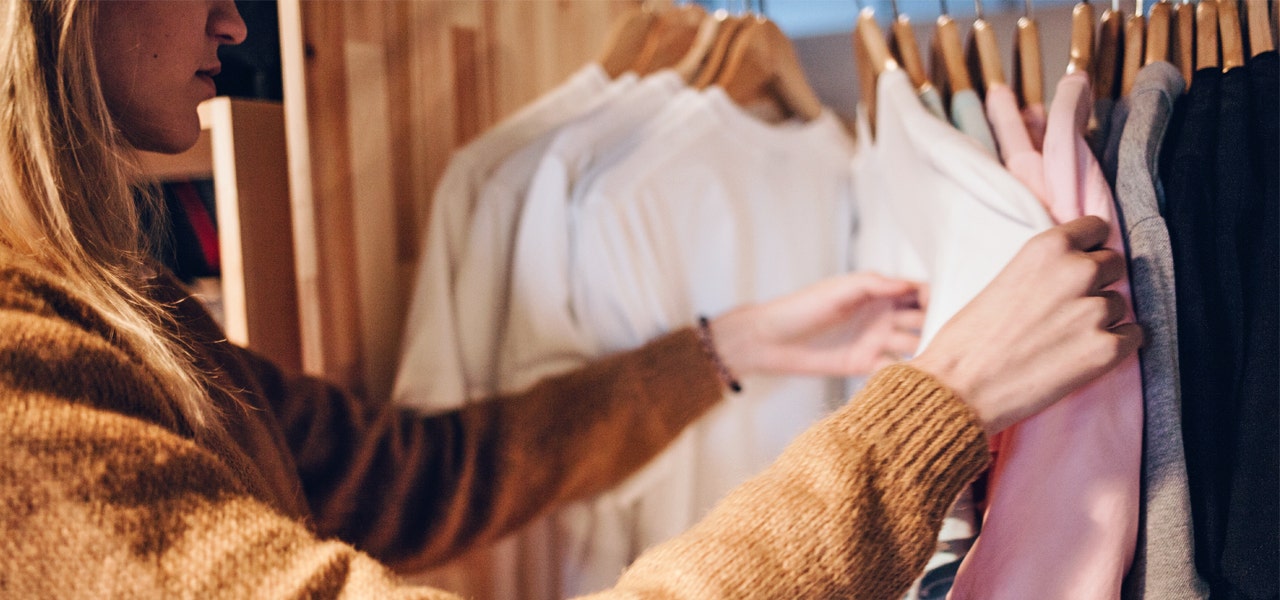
157	59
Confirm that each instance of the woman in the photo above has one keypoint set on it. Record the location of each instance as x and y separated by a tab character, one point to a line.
141	455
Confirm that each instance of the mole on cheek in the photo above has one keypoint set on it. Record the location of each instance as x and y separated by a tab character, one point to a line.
155	56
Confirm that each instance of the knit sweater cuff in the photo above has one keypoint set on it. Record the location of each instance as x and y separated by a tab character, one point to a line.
675	365
937	439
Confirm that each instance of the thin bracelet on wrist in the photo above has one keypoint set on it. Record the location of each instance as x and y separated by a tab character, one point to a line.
709	347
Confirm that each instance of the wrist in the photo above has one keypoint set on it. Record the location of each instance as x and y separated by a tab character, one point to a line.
951	372
724	340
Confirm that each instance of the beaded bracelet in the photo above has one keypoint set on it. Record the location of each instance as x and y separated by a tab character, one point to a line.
709	347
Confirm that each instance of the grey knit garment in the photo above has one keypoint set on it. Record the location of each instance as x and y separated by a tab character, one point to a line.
1164	563
1109	159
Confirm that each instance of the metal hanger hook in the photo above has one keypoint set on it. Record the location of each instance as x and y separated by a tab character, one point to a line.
977	7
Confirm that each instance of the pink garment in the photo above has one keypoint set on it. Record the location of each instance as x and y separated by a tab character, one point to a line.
1036	119
1018	150
1062	520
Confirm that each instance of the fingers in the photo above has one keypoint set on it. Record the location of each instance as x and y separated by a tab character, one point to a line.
902	343
1129	338
1110	267
909	320
1086	233
876	285
1114	309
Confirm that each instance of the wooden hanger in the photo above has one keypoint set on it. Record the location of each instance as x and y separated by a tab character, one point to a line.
703	42
1159	30
871	53
1260	39
1081	57
1275	24
950	71
669	38
1184	40
1207	35
983	53
902	43
626	40
763	66
719	54
1232	36
1028	65
1109	53
1135	29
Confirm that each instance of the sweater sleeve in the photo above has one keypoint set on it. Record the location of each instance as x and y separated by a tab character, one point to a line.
100	502
96	504
416	490
852	509
100	497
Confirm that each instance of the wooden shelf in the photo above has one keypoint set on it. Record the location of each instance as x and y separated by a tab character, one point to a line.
242	148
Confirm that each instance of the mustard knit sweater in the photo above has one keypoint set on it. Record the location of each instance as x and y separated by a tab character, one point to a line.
105	491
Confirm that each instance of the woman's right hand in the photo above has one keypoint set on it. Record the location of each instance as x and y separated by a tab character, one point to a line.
1042	328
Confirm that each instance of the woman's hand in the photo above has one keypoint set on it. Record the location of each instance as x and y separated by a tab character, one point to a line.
846	325
1044	327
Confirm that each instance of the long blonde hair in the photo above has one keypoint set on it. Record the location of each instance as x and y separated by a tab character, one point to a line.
66	198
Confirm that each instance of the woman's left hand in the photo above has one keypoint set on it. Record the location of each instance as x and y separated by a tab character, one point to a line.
842	326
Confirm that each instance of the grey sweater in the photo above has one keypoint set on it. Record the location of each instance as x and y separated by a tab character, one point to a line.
1164	563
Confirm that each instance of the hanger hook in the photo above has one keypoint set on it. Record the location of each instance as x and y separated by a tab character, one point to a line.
894	5
1138	8
977	7
1026	8
760	7
942	5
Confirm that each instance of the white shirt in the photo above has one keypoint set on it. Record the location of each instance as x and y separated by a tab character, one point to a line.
937	206
710	209
430	375
433	372
483	275
541	337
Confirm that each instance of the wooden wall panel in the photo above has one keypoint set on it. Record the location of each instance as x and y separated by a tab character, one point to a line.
434	69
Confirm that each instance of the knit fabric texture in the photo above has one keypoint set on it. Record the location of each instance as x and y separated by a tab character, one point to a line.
105	492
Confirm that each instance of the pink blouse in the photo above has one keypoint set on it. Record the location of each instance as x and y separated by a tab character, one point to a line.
1063	501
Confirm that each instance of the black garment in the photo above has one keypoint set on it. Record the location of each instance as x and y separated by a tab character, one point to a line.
1250	559
1188	173
1219	172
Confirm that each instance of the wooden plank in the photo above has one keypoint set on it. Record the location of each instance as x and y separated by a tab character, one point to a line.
298	143
452	69
314	63
466	85
378	289
259	289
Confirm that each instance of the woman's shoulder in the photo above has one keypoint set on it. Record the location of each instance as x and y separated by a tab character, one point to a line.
32	294
54	345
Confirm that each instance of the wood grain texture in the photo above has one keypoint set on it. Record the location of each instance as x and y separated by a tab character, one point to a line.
255	233
442	71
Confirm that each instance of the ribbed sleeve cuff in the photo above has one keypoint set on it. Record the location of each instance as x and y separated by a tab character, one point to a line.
924	431
679	377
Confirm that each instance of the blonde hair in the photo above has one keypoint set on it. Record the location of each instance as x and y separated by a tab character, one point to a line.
66	195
